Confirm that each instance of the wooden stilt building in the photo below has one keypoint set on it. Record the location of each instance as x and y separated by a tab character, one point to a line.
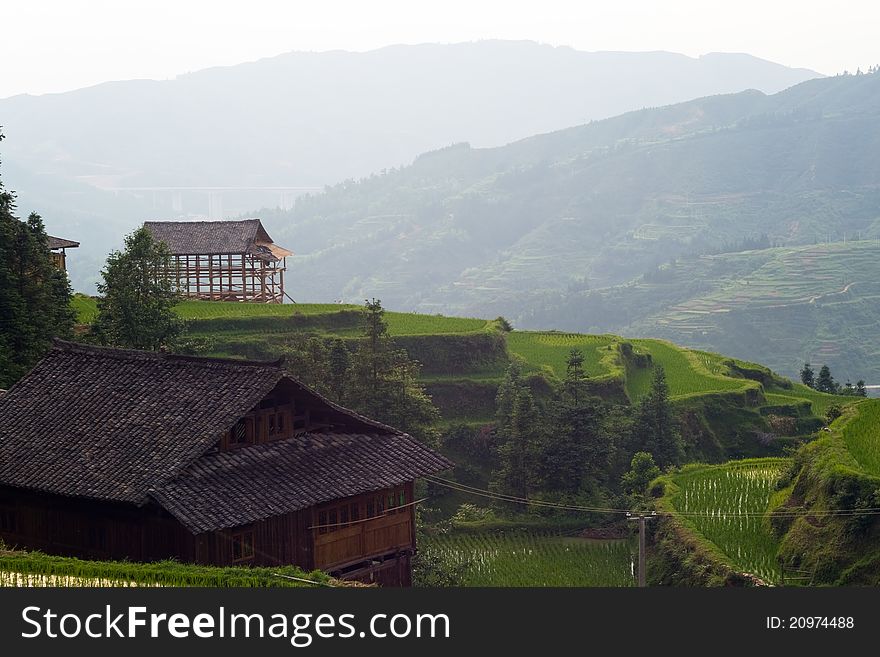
58	248
223	260
117	454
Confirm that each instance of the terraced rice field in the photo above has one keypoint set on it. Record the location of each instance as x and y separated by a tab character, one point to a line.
552	349
398	323
533	559
685	373
862	435
727	503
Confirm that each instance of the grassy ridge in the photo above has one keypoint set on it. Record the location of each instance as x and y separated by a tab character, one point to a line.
551	350
520	558
862	435
687	373
462	352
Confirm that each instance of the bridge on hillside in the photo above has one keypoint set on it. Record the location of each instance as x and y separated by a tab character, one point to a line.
211	200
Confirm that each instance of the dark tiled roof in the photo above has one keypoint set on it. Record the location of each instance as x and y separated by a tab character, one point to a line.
111	424
124	425
60	243
227	489
212	237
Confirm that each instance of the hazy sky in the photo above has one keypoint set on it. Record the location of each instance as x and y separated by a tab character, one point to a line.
56	45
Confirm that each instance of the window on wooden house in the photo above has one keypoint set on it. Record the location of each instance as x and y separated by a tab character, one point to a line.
243	545
391	501
270	424
343	515
239	433
355	510
401	501
333	519
322	522
371	508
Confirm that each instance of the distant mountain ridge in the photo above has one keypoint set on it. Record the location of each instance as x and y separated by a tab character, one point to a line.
530	229
313	119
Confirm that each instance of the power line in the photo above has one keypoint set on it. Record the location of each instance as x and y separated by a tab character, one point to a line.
464	488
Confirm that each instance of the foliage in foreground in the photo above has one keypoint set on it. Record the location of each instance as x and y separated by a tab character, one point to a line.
136	307
34	294
38	569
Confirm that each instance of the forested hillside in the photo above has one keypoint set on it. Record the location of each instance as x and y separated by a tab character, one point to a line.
528	229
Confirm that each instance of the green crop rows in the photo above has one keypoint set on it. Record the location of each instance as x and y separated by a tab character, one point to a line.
685	373
533	559
398	323
552	349
37	569
727	502
862	436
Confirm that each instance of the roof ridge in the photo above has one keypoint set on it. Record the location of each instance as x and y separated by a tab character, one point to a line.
138	354
207	221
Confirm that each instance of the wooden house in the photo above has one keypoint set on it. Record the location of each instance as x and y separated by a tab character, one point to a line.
58	250
223	260
117	454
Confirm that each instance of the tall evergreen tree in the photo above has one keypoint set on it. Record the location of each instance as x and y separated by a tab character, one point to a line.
861	390
576	452
136	309
339	363
825	382
383	381
34	294
654	429
808	377
518	472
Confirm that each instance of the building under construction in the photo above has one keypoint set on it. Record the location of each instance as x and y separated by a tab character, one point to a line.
223	260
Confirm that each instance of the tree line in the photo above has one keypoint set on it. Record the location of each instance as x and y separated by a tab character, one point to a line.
824	382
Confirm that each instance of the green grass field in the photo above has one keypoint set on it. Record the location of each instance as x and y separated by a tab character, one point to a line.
721	497
550	349
398	323
36	569
521	558
819	401
686	373
862	435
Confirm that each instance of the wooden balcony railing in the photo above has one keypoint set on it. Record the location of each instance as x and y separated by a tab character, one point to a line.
363	540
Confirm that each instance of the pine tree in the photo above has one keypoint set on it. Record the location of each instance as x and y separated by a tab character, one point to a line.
339	365
808	377
576	453
825	382
654	429
517	474
34	294
136	309
861	390
383	381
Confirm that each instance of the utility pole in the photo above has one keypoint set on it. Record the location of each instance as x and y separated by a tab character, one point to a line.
642	551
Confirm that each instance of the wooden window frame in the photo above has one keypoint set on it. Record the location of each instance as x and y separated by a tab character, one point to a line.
241	540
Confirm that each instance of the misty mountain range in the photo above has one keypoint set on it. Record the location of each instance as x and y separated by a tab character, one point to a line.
315	119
